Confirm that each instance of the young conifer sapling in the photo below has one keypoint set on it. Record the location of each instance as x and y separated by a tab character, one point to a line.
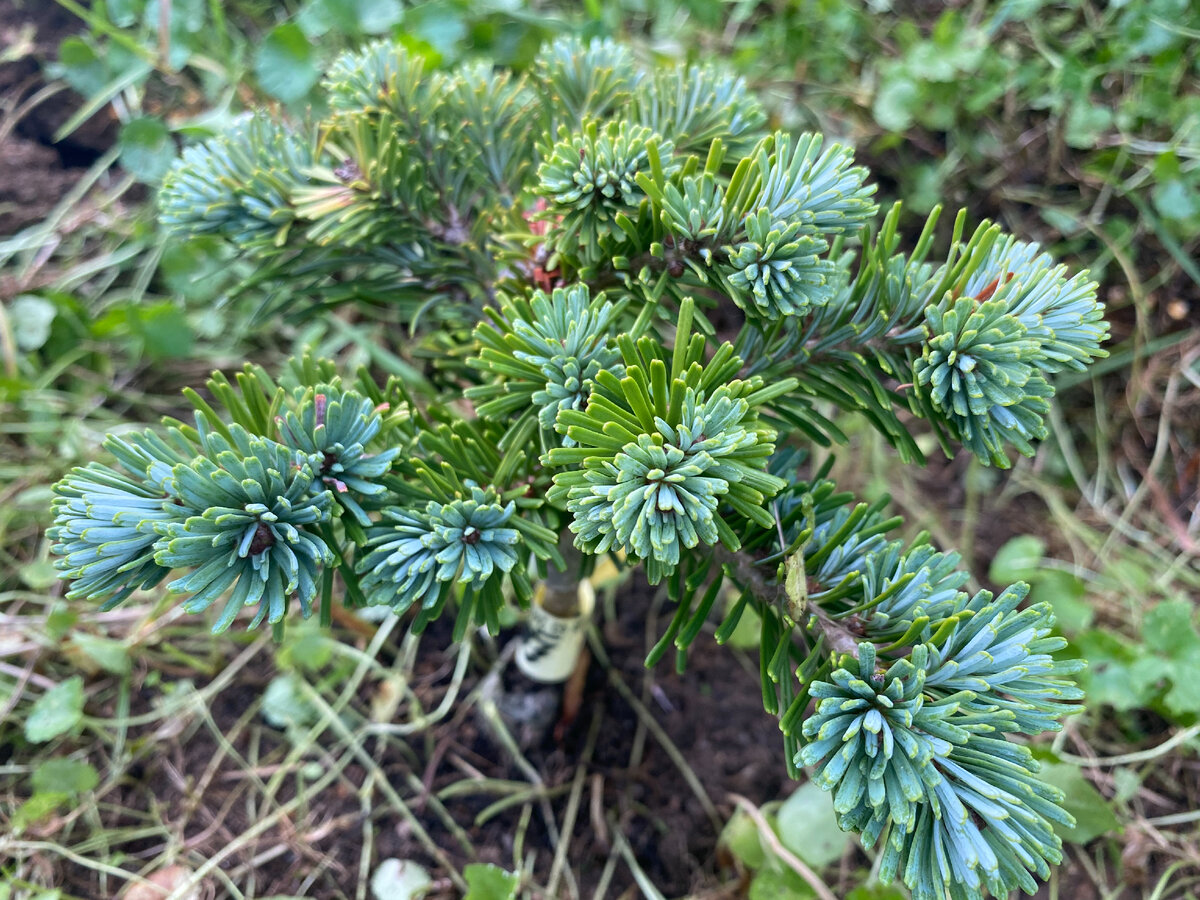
636	308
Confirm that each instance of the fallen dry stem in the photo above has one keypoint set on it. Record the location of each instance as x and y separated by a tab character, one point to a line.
767	834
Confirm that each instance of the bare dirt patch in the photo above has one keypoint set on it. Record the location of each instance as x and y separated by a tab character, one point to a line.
35	170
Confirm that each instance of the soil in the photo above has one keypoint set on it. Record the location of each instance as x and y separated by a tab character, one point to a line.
712	713
36	171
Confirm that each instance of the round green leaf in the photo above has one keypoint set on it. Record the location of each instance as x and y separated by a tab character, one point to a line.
1093	816
895	102
1068	595
489	882
1184	696
56	712
317	17
779	884
112	656
285	64
124	13
80	66
146	148
378	16
284	704
195	269
1169	629
439	24
1018	560
1085	123
740	837
808	826
69	776
163	329
36	808
39	574
1176	200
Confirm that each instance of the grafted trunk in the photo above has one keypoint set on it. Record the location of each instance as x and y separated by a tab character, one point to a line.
558	621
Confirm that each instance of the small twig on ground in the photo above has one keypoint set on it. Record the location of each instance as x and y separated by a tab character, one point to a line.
643	882
1125	759
568	827
689	775
767	834
485	695
355	741
596	811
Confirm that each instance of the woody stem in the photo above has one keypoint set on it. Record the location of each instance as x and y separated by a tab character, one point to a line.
561	597
744	569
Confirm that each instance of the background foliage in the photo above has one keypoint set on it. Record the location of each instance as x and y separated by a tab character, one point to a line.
1074	123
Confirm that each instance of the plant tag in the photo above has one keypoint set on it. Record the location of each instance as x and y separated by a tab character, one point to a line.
550	646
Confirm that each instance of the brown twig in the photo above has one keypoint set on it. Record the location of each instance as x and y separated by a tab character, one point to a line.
745	571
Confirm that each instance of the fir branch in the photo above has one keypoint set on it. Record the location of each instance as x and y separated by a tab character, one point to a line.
238	186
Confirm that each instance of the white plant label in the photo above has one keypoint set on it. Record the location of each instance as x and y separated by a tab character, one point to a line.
550	646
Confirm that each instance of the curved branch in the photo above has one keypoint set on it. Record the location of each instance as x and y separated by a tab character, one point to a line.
766	833
747	571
